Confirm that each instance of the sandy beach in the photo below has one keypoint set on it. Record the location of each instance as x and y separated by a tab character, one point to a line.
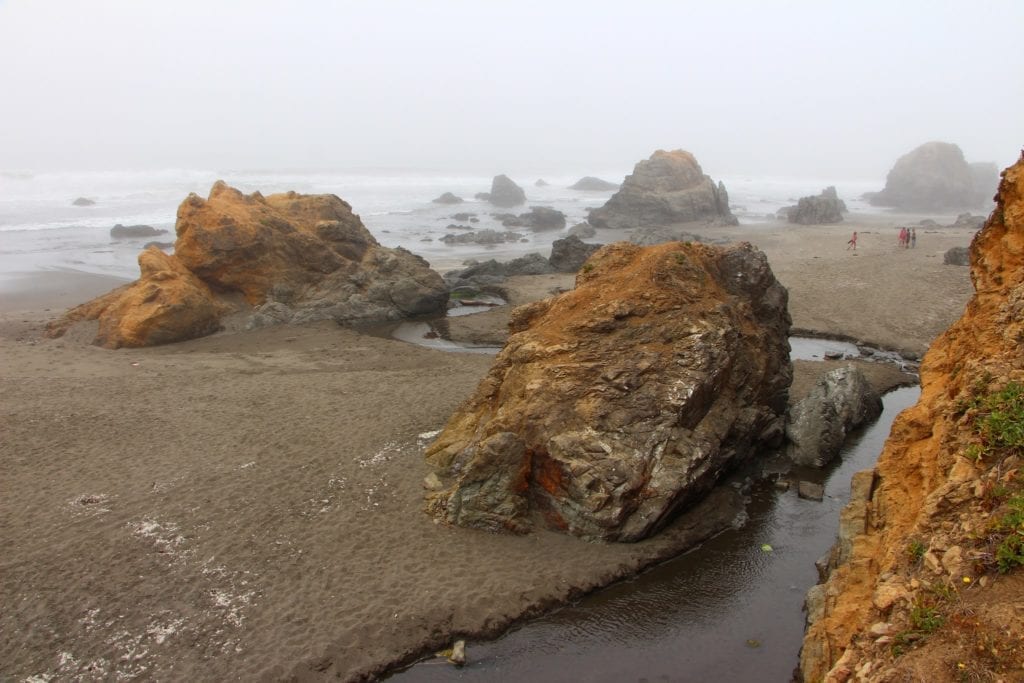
249	505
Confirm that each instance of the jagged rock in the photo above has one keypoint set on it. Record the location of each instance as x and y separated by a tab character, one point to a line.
448	198
841	401
932	177
927	492
311	246
128	231
617	404
592	184
568	254
668	188
957	256
83	201
504	192
583	230
485	236
166	304
825	208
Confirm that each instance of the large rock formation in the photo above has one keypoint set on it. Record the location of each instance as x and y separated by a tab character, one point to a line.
308	255
617	404
926	537
818	425
933	177
825	208
504	192
591	184
668	188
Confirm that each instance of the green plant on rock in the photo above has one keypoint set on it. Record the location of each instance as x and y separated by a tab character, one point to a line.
1000	421
1010	551
925	618
916	550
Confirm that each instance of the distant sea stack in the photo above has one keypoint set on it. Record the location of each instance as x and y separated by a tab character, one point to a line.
504	193
936	177
591	184
822	209
666	189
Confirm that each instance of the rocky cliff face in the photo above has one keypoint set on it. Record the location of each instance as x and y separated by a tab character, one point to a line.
617	404
929	584
668	188
305	257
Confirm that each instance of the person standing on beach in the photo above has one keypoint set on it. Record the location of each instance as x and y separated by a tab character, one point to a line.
903	236
852	242
913	238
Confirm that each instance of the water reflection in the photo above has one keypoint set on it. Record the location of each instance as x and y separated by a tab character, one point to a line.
727	611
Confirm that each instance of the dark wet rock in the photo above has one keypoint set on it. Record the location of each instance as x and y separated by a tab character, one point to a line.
485	236
932	177
542	218
823	209
569	253
504	192
666	189
592	184
818	425
957	256
448	198
83	201
583	230
616	405
484	275
121	232
463	216
456	226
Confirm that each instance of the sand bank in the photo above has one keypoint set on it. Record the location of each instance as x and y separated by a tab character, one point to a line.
248	505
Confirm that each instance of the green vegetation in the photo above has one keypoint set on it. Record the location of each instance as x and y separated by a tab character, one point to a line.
1000	421
925	618
916	550
1010	551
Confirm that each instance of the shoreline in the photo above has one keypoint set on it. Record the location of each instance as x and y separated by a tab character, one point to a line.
260	492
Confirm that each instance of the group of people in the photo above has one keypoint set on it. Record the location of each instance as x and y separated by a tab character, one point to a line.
908	238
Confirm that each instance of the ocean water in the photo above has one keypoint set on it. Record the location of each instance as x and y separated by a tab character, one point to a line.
40	228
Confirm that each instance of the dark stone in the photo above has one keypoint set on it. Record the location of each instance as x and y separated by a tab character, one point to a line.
568	254
485	236
810	491
121	232
541	218
583	230
504	192
82	201
448	198
957	256
823	209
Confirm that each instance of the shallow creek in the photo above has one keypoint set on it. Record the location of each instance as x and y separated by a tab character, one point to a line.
729	610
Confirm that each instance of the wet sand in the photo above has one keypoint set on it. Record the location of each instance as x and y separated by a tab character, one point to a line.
248	505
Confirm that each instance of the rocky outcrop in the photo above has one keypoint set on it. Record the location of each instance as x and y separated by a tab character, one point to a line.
592	184
448	198
818	425
166	304
825	208
570	253
583	230
309	254
925	539
83	201
957	256
932	177
504	192
668	188
615	405
120	232
485	236
538	219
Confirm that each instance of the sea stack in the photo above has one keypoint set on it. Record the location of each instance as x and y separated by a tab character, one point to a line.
667	189
936	177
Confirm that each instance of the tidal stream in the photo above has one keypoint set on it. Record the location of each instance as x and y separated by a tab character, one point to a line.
729	610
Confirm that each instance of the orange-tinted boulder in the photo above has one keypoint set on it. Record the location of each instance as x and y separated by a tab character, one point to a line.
614	406
166	304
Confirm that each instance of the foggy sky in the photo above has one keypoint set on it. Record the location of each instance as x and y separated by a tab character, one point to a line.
808	89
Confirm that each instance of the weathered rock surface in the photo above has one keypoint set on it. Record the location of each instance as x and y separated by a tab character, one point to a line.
592	184
570	253
931	505
539	218
668	188
957	256
166	304
448	198
505	193
825	208
83	201
129	231
485	236
932	177
309	252
818	425
583	230
615	405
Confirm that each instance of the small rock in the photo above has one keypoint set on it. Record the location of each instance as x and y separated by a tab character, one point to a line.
810	490
880	628
458	655
432	482
782	484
